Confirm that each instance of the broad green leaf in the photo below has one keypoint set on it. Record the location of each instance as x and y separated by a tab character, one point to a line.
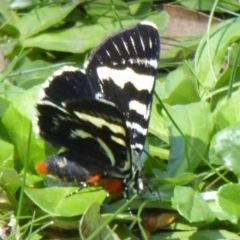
160	19
181	179
197	235
229	112
181	87
10	180
91	221
194	4
209	58
196	122
156	125
84	38
8	47
229	75
228	199
4	103
40	19
17	121
73	40
37	181
6	154
8	93
124	232
140	8
54	200
103	13
3	133
220	213
21	4
180	51
206	5
158	152
191	205
8	16
30	73
225	148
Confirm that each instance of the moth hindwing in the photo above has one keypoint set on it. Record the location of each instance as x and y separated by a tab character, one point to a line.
100	114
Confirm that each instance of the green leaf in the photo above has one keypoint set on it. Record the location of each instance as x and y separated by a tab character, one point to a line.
211	56
158	152
180	51
21	4
40	19
8	93
181	179
54	200
194	4
160	19
80	40
206	5
225	148
196	122
91	221
229	112
6	154
124	232
191	205
197	235
220	213
140	8
10	179
19	128
156	125
8	16
30	73
103	13
228	199
181	87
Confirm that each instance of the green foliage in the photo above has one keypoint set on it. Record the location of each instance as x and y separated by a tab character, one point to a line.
191	205
54	201
193	144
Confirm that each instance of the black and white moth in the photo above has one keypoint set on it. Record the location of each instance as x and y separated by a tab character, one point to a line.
100	114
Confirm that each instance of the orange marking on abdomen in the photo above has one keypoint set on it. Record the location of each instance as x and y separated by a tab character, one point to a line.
112	185
94	179
42	168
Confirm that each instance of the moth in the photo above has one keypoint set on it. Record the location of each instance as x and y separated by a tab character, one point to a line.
100	113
